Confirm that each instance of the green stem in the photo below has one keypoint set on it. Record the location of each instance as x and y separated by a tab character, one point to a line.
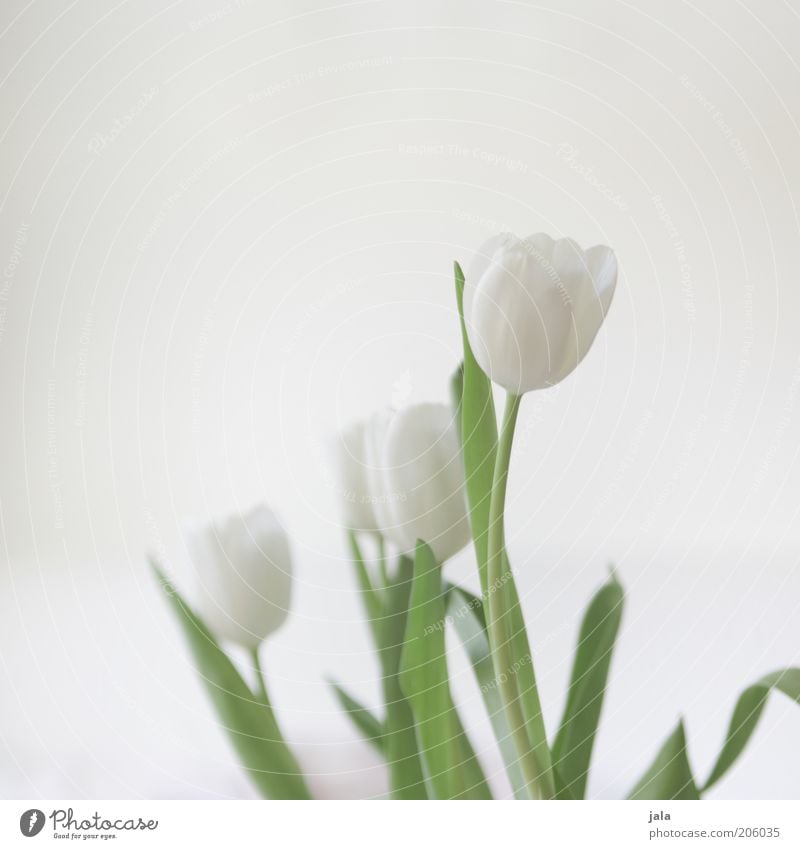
499	618
261	682
289	768
383	565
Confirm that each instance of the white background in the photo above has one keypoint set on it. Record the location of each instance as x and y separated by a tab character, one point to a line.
228	229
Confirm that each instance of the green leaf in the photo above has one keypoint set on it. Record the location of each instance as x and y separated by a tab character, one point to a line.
465	611
249	721
572	749
746	714
478	437
364	720
525	675
371	596
406	774
452	767
670	775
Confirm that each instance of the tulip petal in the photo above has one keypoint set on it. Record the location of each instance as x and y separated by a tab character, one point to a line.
482	259
590	305
415	462
533	307
243	567
353	479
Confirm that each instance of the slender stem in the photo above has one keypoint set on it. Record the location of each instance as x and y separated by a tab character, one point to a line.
498	620
285	764
384	567
261	681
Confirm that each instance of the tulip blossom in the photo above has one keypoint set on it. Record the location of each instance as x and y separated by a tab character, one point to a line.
243	567
353	486
532	307
417	479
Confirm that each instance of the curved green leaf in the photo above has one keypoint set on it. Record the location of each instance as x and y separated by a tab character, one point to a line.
525	676
670	775
452	767
363	719
746	714
249	721
478	436
572	749
407	778
465	611
370	596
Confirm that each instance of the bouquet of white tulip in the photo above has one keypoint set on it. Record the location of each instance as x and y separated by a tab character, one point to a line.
426	480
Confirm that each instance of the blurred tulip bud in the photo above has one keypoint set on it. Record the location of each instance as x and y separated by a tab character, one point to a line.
244	571
533	306
353	487
417	478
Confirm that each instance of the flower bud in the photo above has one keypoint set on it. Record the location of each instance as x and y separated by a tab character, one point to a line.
417	478
353	487
244	571
532	307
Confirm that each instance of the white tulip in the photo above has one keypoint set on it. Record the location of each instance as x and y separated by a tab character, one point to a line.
532	307
244	571
357	501
417	479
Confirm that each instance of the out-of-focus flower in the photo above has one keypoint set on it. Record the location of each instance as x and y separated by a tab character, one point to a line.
353	487
533	306
244	572
417	478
